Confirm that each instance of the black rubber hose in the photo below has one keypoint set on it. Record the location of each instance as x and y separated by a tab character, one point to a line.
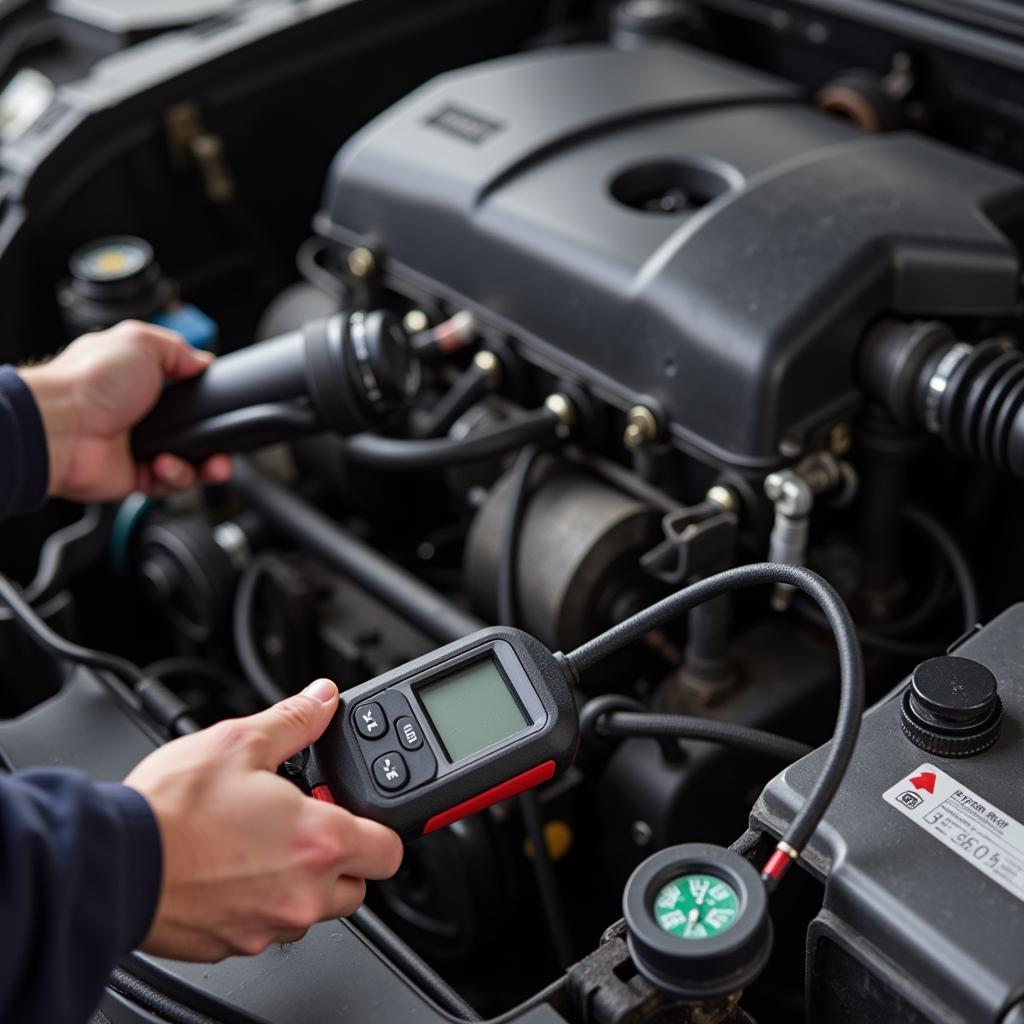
69	550
132	689
293	517
622	478
412	966
925	607
548	995
529	804
685	727
160	1004
56	645
869	638
438	453
958	564
186	665
851	669
243	621
237	430
508	613
884	639
469	387
547	882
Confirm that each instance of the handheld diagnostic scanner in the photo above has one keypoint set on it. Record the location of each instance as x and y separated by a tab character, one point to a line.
451	733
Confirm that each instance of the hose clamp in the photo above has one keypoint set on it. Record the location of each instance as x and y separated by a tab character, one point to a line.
939	382
361	350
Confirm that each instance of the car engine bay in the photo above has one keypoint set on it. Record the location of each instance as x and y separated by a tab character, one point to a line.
532	315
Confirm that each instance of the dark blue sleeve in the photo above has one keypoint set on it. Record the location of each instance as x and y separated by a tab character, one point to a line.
24	460
80	867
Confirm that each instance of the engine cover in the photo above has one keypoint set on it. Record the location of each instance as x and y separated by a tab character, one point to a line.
666	227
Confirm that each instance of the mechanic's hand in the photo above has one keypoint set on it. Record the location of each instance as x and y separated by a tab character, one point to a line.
248	859
93	393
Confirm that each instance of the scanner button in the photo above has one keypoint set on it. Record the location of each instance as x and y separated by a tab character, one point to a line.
370	720
390	772
408	733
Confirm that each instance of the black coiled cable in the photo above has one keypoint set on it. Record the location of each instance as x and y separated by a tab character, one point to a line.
687	727
129	686
243	623
851	670
529	804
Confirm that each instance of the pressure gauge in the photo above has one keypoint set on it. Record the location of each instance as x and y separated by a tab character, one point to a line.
696	906
697	921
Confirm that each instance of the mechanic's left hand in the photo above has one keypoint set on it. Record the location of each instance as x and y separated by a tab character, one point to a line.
93	394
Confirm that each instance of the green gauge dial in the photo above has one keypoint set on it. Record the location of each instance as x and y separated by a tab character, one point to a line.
696	906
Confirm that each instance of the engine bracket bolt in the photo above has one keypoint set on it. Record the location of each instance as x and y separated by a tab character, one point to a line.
724	497
560	405
641	833
489	365
790	447
362	263
641	427
840	440
415	320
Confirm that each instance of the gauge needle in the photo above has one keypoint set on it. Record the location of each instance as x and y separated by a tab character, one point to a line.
693	917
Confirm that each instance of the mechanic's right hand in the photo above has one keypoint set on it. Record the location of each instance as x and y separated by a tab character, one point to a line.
93	393
247	858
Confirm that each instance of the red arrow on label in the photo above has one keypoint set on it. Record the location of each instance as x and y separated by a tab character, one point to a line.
926	780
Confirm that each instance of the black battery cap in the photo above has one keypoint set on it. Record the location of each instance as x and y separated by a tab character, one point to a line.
951	707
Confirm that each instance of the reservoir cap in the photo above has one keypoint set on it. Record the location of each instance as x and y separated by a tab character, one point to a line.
951	707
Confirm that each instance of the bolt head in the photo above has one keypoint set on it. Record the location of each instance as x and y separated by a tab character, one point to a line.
790	446
633	437
415	321
641	833
840	439
641	427
724	497
560	405
362	263
489	365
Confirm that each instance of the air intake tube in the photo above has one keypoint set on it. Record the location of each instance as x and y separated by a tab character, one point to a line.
972	396
346	373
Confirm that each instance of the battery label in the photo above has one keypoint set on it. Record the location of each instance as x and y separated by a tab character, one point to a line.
971	826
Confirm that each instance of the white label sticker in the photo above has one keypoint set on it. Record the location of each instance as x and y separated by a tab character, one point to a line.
968	824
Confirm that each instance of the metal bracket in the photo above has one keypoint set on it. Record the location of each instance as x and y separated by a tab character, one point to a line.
698	539
69	550
606	988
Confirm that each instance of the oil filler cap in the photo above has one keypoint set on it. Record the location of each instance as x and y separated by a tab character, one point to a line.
697	921
951	707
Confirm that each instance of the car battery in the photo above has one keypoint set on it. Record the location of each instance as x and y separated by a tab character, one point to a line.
922	850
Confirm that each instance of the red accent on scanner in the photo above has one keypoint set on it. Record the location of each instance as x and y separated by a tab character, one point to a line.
510	787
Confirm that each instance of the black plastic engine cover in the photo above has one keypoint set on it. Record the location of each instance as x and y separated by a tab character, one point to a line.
516	188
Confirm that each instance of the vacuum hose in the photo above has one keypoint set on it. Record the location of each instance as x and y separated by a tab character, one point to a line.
972	396
345	373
